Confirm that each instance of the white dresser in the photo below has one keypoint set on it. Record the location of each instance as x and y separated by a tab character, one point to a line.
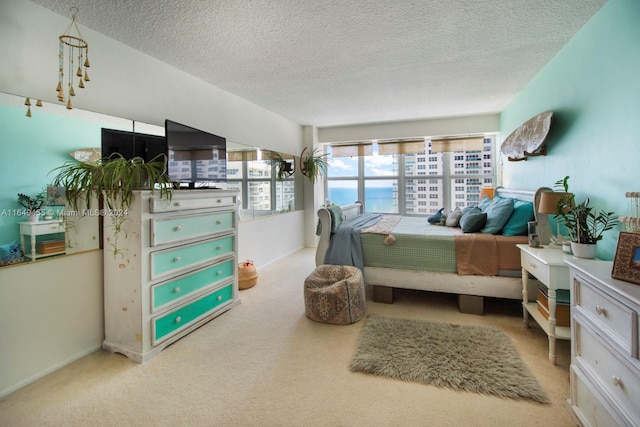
174	269
605	365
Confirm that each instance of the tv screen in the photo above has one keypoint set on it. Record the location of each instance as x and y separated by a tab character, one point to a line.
195	156
130	144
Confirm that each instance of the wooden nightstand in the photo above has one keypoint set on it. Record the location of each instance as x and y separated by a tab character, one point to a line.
547	264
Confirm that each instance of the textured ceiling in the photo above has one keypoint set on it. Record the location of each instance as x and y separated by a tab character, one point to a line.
335	62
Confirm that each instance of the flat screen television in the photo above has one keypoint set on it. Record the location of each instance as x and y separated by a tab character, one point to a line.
195	158
131	144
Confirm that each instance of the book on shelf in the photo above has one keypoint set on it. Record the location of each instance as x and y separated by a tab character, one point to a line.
563	308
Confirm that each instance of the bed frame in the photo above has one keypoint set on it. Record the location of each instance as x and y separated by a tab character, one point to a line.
470	289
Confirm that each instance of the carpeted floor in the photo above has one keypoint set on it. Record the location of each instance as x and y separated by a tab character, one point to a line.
264	363
479	359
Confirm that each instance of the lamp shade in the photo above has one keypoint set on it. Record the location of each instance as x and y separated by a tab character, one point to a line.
551	202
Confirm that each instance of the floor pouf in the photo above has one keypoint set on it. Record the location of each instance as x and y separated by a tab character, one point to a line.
335	294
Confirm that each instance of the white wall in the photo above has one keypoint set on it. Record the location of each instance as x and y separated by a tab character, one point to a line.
447	126
127	83
51	311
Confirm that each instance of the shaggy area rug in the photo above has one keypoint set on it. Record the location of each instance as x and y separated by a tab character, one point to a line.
480	359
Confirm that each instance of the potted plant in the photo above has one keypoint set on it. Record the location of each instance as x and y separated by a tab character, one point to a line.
113	180
284	168
32	204
313	164
584	224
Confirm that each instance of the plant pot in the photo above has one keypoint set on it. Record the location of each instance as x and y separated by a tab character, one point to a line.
584	250
34	217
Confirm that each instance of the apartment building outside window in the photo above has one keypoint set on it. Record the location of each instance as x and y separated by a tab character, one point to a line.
428	181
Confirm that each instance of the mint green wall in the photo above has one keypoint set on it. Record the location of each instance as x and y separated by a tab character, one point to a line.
30	147
593	87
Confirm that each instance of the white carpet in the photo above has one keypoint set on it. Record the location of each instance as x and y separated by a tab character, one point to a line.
265	364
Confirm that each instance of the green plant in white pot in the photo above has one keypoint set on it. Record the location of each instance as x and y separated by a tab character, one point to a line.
585	224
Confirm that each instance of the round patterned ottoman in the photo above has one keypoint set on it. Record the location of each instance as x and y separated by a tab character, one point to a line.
335	294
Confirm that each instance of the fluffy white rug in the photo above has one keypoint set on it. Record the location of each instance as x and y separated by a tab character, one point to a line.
480	359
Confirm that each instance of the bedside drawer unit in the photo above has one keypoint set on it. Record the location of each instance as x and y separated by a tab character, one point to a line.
613	375
188	256
535	267
170	230
605	370
588	405
615	319
157	205
184	286
177	320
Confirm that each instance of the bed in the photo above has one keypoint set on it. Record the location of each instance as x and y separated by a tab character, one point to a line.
408	253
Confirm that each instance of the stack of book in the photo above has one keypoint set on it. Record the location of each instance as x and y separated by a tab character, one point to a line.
50	246
563	305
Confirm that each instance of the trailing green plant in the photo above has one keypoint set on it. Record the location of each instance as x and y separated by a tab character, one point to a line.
584	224
313	164
31	203
113	180
284	168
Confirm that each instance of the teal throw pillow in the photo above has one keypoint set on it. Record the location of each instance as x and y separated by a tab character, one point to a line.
484	203
436	218
498	213
10	251
473	221
517	223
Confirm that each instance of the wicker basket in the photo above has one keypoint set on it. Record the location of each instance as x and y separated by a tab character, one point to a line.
247	275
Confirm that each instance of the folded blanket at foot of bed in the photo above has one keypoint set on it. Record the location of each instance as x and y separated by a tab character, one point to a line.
344	247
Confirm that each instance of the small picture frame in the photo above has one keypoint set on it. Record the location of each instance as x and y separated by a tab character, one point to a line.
626	264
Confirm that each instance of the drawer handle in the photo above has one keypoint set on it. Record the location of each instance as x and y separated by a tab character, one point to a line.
178	319
617	382
601	310
178	228
176	204
219	273
532	265
219	247
176	289
219	201
219	297
176	259
218	222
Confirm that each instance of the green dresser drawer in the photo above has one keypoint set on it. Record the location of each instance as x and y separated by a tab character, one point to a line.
165	326
180	258
168	292
189	227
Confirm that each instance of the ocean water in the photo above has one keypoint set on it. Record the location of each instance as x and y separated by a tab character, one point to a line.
376	199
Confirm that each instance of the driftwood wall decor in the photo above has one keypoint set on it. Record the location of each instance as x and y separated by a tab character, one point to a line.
528	139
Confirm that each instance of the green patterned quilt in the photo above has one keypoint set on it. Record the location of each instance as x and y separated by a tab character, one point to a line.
418	246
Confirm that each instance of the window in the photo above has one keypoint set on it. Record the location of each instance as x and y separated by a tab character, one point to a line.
398	183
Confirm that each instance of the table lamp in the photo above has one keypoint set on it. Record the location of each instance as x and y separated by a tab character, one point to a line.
551	202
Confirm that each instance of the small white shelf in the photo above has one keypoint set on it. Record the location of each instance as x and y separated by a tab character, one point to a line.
562	332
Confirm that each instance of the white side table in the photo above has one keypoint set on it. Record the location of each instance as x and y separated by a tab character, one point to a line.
547	264
40	228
